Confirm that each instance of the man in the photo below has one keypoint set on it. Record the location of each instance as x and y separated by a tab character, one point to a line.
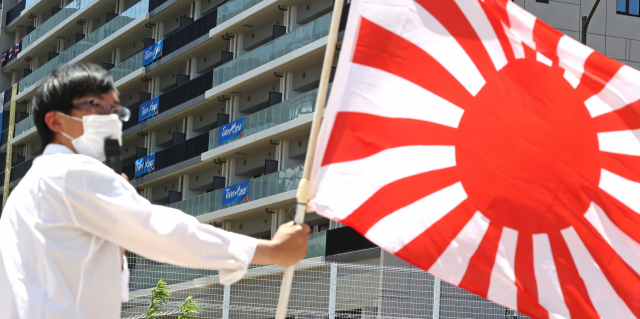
63	224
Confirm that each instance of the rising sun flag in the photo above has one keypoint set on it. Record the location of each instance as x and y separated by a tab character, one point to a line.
478	143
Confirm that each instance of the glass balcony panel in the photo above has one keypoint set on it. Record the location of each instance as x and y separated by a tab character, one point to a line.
254	123
280	45
127	67
23	126
272	50
280	187
269	116
272	184
218	198
261	119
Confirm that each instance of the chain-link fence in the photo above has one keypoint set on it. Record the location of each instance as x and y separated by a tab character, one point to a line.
320	290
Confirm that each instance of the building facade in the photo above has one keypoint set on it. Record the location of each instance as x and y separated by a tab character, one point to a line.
222	95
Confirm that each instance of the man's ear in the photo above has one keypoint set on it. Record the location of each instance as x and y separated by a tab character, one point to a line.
52	119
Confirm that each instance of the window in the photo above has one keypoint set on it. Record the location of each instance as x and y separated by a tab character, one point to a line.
630	7
543	1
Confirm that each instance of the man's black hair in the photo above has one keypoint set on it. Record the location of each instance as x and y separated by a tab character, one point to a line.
59	88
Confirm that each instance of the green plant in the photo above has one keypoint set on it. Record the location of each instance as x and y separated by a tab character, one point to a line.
188	309
159	296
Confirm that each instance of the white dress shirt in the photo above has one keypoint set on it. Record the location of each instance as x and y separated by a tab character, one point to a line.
61	230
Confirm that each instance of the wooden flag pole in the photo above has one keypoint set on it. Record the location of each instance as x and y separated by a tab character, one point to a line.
304	188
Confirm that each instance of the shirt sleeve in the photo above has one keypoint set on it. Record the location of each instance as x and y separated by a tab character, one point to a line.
103	203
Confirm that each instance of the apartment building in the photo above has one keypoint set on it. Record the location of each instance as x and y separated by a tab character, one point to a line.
221	94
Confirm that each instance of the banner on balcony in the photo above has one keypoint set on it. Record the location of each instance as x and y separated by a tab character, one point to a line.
235	193
231	131
145	165
148	109
152	53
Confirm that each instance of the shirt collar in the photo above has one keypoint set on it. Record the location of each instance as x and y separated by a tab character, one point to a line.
53	148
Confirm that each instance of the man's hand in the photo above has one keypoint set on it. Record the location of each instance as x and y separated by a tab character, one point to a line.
288	246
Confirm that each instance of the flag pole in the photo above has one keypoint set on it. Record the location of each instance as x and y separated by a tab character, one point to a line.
304	188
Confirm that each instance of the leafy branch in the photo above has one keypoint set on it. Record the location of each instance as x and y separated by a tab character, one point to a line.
159	296
188	309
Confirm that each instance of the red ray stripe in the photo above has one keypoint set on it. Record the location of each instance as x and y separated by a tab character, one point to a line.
526	278
497	16
425	249
624	280
626	118
622	216
546	39
399	194
381	49
453	19
598	71
627	166
359	135
478	275
498	9
573	289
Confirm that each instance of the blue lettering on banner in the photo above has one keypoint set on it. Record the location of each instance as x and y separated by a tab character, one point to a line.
231	131
148	109
145	165
235	193
152	53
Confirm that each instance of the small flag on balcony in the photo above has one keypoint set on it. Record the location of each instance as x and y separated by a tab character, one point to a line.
10	56
4	57
478	143
16	48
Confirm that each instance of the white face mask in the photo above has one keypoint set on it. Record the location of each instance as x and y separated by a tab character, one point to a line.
97	128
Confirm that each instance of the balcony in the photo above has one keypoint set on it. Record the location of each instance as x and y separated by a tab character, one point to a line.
233	8
52	22
127	67
83	45
14	12
176	96
265	186
272	50
182	151
286	111
23	126
188	33
20	170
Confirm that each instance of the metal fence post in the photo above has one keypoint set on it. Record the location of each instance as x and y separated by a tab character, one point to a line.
436	297
333	290
226	302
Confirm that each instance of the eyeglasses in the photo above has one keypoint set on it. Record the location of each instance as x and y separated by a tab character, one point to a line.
102	107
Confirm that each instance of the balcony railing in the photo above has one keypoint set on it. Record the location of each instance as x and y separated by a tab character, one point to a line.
280	113
14	12
24	126
146	273
85	44
234	8
268	185
4	136
55	20
272	50
20	170
185	92
127	67
189	33
182	151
